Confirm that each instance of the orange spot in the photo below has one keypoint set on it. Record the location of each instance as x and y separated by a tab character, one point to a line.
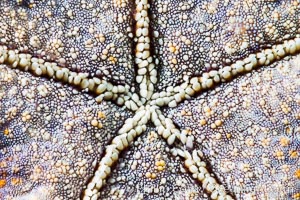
161	164
294	154
101	115
2	183
297	173
153	175
172	49
279	154
16	181
202	122
6	131
3	164
160	168
296	196
112	59
284	141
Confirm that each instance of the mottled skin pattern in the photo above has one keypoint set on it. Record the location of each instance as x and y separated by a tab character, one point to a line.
247	128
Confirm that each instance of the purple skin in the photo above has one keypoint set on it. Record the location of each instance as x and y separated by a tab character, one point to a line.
248	127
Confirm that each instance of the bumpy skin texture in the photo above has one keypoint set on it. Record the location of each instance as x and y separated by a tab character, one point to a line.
53	135
48	142
197	36
260	120
74	36
259	116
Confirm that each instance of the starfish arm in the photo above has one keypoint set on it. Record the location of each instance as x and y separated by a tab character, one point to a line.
131	129
199	171
237	139
146	72
102	89
206	81
51	137
103	99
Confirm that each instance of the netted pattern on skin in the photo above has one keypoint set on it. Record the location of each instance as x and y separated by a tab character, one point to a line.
248	130
90	36
51	136
192	37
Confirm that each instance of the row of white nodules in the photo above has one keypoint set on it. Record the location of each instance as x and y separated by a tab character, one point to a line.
167	129
39	67
173	95
132	128
146	72
198	169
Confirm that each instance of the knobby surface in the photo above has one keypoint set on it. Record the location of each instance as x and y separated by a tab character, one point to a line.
172	99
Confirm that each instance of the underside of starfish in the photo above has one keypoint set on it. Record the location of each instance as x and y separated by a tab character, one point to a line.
120	99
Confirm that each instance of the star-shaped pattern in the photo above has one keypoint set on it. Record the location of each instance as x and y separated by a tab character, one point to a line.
146	113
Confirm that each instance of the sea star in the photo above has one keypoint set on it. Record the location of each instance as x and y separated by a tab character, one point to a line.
149	100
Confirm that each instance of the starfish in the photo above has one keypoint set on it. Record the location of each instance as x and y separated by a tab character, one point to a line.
149	99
